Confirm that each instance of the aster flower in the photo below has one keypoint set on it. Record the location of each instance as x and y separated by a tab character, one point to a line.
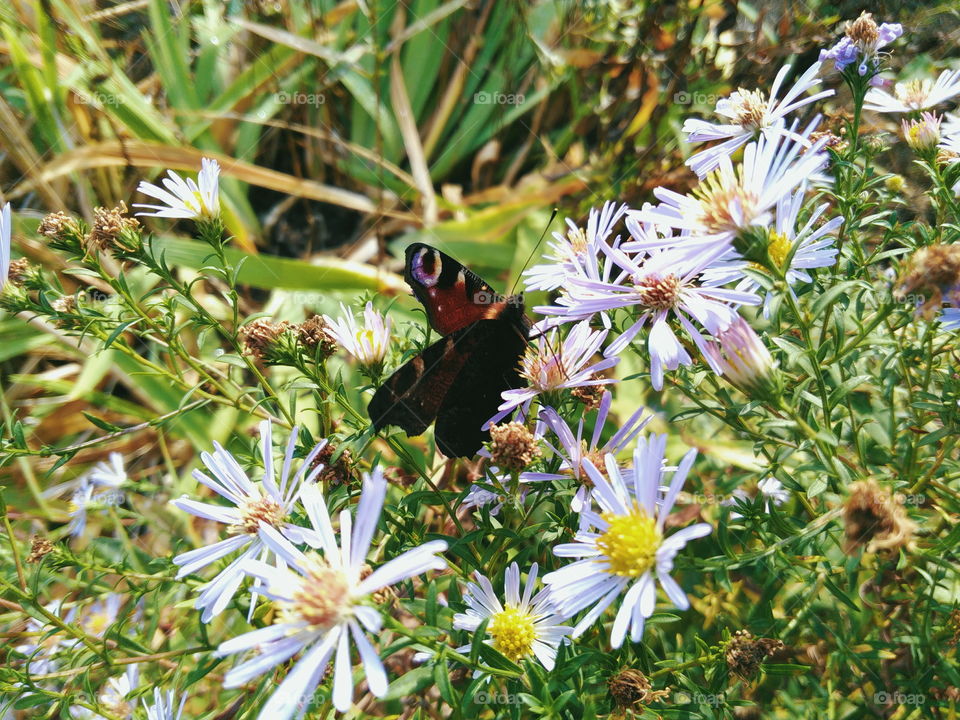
6	225
42	647
751	113
732	199
521	626
367	343
98	618
577	252
109	473
923	134
627	546
550	365
80	501
770	489
795	250
950	319
253	504
659	287
862	42
323	601
914	95
185	198
164	705
744	360
574	449
113	698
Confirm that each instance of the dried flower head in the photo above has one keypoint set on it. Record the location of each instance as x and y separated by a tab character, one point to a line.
874	517
261	335
112	229
65	304
512	446
745	653
589	395
39	548
335	472
864	30
56	224
314	334
935	271
833	141
18	271
631	687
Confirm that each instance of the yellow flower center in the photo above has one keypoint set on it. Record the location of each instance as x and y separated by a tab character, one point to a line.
630	542
779	248
253	511
513	633
913	92
323	598
97	623
544	367
578	242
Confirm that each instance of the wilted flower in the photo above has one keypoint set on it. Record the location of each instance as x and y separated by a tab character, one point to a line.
322	603
922	135
876	518
550	365
40	547
513	446
741	357
260	336
751	113
915	95
111	229
315	335
631	687
627	546
863	41
522	626
367	343
745	653
268	502
185	198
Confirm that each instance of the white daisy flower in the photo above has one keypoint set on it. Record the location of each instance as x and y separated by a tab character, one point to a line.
627	546
574	450
98	618
577	252
914	95
549	365
732	199
805	248
6	226
185	198
519	628
114	697
269	501
80	501
164	706
323	601
368	343
751	113
770	489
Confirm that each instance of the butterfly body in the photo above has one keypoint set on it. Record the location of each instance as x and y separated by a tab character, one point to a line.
458	380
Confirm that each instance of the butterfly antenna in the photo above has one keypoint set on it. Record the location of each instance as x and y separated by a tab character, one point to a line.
536	247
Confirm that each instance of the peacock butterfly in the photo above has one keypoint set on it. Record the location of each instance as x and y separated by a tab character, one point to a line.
458	380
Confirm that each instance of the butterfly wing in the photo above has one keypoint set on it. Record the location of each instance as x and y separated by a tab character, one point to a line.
411	397
454	296
475	393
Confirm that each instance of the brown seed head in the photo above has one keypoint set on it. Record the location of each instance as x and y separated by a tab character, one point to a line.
261	335
745	653
874	517
512	446
314	335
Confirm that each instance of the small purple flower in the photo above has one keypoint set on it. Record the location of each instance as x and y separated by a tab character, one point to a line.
862	43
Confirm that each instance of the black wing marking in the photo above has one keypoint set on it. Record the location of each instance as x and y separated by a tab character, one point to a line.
475	394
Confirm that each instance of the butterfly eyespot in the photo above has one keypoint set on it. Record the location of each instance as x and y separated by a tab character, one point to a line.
425	267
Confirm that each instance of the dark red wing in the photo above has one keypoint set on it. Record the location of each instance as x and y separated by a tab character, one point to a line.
453	295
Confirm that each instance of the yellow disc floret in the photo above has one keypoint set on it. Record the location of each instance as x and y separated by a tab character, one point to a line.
513	632
630	542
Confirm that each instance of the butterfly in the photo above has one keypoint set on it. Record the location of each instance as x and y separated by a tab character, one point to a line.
457	381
